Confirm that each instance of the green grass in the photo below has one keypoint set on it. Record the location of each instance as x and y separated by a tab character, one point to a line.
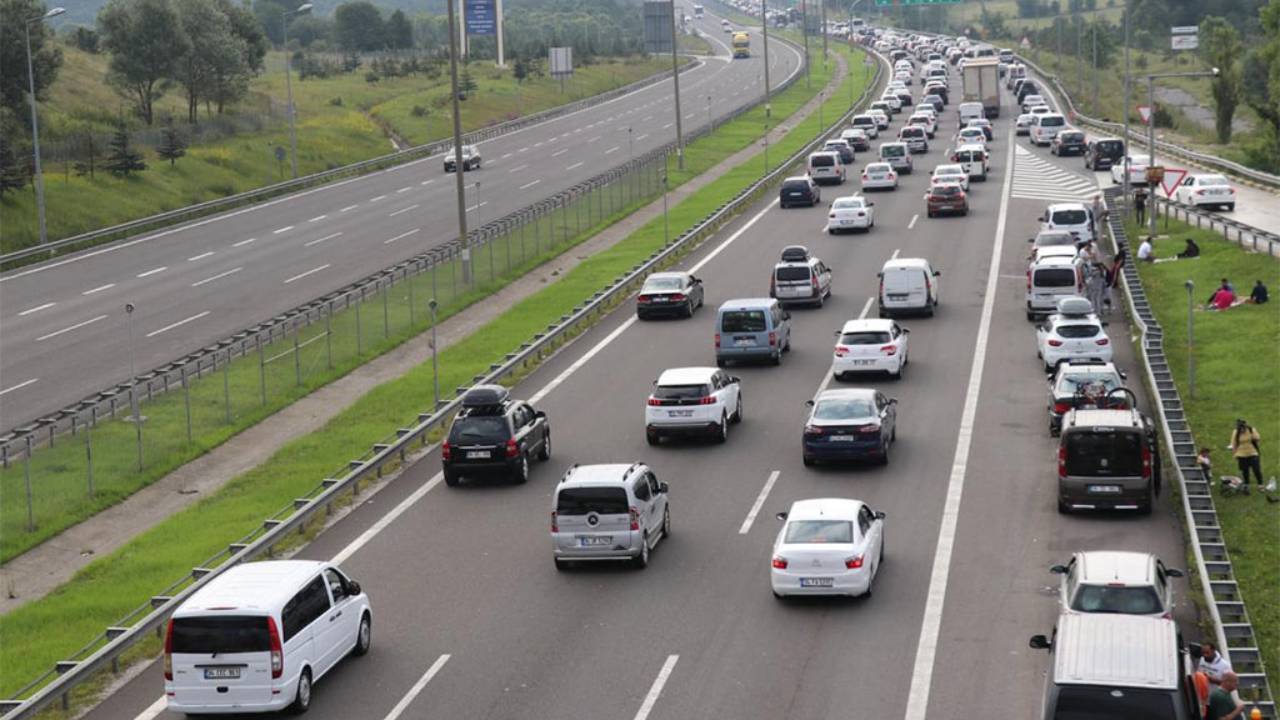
49	629
1237	353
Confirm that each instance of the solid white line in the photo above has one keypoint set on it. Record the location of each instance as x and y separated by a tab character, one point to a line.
153	710
19	386
152	271
398	237
518	168
100	288
755	508
403	210
417	688
738	233
476	207
404	190
380	197
309	272
320	240
77	326
180	323
348	208
243	242
201	256
575	165
354	546
914	218
558	153
611	150
37	308
286	228
219	276
894	256
526	186
317	218
926	650
652	698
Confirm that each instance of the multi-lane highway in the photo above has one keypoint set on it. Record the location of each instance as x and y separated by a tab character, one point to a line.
64	327
471	619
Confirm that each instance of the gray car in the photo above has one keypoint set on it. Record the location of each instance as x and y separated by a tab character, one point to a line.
608	512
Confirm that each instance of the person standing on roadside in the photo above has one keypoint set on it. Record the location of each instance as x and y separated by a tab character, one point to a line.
1211	663
1099	216
1140	205
1222	706
1244	448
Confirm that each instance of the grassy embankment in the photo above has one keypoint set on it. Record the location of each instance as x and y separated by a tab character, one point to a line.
47	630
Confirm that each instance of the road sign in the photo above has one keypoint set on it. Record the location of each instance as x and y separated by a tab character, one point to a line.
1026	43
1155	174
1172	179
481	17
1144	112
1184	37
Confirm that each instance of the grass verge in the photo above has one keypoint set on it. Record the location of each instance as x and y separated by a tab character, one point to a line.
1237	353
49	629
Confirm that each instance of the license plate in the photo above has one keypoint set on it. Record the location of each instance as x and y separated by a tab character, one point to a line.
816	582
896	296
593	540
477	454
864	362
841	438
744	343
221	673
1104	489
679	413
796	194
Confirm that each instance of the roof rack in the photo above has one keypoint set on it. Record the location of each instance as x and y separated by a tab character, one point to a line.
486	396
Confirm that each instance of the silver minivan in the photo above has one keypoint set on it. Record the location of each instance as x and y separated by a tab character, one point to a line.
826	167
608	512
752	329
1051	278
805	281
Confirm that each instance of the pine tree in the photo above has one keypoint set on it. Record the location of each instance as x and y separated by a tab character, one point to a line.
172	146
13	172
123	160
465	84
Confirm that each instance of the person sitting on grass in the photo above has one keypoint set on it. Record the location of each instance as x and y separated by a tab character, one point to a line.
1146	252
1223	298
1259	295
1191	250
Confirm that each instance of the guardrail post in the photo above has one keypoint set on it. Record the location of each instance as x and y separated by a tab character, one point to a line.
262	366
26	474
359	338
88	456
409	282
186	400
386	320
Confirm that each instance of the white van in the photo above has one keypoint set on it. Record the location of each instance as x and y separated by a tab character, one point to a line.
1050	278
826	167
1045	127
908	285
258	635
1075	218
970	111
974	160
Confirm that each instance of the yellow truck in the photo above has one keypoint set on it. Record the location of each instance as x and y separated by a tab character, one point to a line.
741	45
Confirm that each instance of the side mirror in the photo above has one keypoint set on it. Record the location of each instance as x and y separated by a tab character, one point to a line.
1058	569
1031	240
1123	375
1106	324
733	379
781	516
808	403
893	401
1174	572
540	414
1040	642
937	273
353	588
664	488
786	315
906	330
879	515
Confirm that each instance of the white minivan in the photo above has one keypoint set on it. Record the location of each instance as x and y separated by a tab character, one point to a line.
970	111
908	285
259	635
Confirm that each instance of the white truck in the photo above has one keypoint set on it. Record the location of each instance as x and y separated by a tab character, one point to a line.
982	84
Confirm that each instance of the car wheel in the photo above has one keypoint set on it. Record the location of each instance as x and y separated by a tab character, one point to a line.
722	431
302	700
930	213
522	470
545	453
884	453
1231	207
902	368
831	231
561	565
642	560
653	438
1031	316
364	637
776	358
451	478
721	362
1063	508
808	462
666	522
737	414
688	310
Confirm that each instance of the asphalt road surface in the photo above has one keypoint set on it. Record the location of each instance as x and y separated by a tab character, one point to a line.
972	525
64	325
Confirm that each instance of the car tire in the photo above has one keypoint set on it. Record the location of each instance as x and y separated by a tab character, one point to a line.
884	454
902	369
776	358
722	434
302	697
930	213
451	478
653	438
521	475
1063	508
737	413
666	522
544	454
807	460
688	309
721	362
641	561
561	565
364	636
1231	207
831	231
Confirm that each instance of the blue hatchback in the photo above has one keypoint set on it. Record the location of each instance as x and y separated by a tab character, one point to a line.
850	424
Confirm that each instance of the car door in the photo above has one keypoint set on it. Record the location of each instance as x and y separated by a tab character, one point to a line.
1162	586
888	416
644	497
726	392
693	291
346	616
536	435
871	533
313	618
1186	190
659	497
824	277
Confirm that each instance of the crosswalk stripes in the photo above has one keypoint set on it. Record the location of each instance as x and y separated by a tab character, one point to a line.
1035	178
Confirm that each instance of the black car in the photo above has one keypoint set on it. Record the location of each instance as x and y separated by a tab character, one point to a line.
1027	87
669	293
938	89
1102	153
1067	142
1078	384
934	100
494	435
800	190
843	148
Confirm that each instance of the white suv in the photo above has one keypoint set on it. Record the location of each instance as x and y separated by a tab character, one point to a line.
870	345
693	401
608	512
1104	581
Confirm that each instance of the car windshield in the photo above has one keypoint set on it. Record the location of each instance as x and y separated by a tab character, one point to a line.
847	204
1111	599
221	635
479	429
1078	331
600	500
1093	702
1092	453
819	531
1070	383
1213	181
843	408
1069	217
1055	277
740	321
663	283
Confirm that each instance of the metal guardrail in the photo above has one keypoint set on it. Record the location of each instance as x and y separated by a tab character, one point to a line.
106	650
189	212
1245	235
1235	635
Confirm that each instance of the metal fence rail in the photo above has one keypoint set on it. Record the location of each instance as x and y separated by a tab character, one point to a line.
1244	235
282	527
1235	634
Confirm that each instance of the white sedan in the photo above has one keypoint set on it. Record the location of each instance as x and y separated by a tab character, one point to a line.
879	175
950	174
851	213
1072	337
1022	126
970	136
1200	190
1137	165
870	345
827	546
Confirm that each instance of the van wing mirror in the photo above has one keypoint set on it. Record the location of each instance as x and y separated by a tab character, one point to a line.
1058	569
663	487
1174	572
1040	642
879	515
781	516
808	403
353	588
937	273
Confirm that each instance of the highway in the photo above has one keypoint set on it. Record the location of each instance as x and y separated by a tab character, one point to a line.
471	619
64	326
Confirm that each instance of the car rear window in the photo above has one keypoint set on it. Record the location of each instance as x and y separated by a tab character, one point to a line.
893	151
1050	239
912	132
1110	599
681	392
1079	331
479	429
1072	383
792	273
738	321
1092	702
865	337
1069	217
221	635
864	120
822	161
1052	121
1055	277
1092	453
968	156
600	500
1110	147
820	531
663	283
843	409
1071	137
796	185
945	190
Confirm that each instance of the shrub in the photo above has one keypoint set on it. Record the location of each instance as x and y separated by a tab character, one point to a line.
336	101
418	111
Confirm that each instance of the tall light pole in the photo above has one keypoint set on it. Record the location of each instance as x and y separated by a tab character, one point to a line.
1124	188
1191	344
804	32
133	384
675	78
35	124
764	24
458	170
1151	131
435	367
823	4
666	228
288	82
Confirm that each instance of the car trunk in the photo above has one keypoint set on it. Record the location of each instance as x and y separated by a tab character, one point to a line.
593	517
221	661
793	282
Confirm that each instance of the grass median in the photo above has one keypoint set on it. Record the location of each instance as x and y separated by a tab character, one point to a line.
49	629
1237	352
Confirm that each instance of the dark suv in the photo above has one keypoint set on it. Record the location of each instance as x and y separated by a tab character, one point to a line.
1108	460
494	435
799	191
1102	153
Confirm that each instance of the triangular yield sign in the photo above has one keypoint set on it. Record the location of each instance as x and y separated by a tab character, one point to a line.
1172	179
1144	111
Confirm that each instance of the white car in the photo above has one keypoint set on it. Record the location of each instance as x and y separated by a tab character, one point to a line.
927	107
693	401
827	546
879	175
1022	125
1137	167
1040	110
470	159
882	118
1030	101
851	213
950	174
892	100
903	76
870	345
867	124
1200	190
1071	334
970	136
884	107
1107	581
926	121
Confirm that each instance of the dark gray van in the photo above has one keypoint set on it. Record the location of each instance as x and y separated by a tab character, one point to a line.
1108	460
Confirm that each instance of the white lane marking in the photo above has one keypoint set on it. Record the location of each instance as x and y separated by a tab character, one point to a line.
77	326
593	139
426	182
401	236
689	116
403	210
738	233
914	218
755	507
201	256
611	150
656	689
284	229
537	144
526	186
380	197
385	521
477	206
100	288
523	149
320	240
348	208
37	308
553	139
19	386
505	156
664	127
646	118
894	256
642	137
309	272
153	271
317	218
558	153
518	168
153	710
403	705
180	323
243	242
219	276
403	190
927	649
575	165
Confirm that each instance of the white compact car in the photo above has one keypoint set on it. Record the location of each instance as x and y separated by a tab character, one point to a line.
879	175
827	546
1022	125
851	213
882	118
698	401
970	136
1137	167
950	174
1105	581
1031	101
1071	334
893	101
867	124
870	345
1201	190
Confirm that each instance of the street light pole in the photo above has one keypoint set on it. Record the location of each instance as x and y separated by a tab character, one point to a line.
1191	344
458	168
675	78
133	384
435	367
823	5
1124	188
35	124
804	32
666	228
764	24
288	82
1151	130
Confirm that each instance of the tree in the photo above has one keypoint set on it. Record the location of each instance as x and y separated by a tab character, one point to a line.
359	26
85	39
399	31
172	146
231	80
520	70
465	84
122	160
1261	71
212	45
13	171
45	59
1220	46
147	44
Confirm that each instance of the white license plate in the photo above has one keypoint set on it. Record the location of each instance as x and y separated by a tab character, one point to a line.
817	582
477	454
841	438
221	673
863	362
593	540
896	296
748	342
679	413
1104	489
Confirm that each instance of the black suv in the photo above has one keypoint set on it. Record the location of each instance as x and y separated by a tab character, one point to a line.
494	435
1102	153
800	190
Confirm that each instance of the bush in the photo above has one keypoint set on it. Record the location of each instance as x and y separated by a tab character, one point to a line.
418	111
371	77
336	101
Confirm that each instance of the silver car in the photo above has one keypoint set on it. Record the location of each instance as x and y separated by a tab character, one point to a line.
608	512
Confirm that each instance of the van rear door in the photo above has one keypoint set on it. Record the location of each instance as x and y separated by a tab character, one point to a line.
905	287
589	516
220	661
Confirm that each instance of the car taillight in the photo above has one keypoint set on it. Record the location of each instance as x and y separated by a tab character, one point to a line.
708	400
1200	192
1055	343
1062	462
277	650
1103	341
779	562
812	430
512	449
168	652
643	299
555	522
635	518
1146	463
446	452
891	176
678	297
1061	407
773	336
1028	280
864	176
889	349
868	429
841	351
654	402
853	563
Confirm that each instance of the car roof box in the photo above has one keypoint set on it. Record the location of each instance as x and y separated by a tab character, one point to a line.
1074	306
795	253
485	396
